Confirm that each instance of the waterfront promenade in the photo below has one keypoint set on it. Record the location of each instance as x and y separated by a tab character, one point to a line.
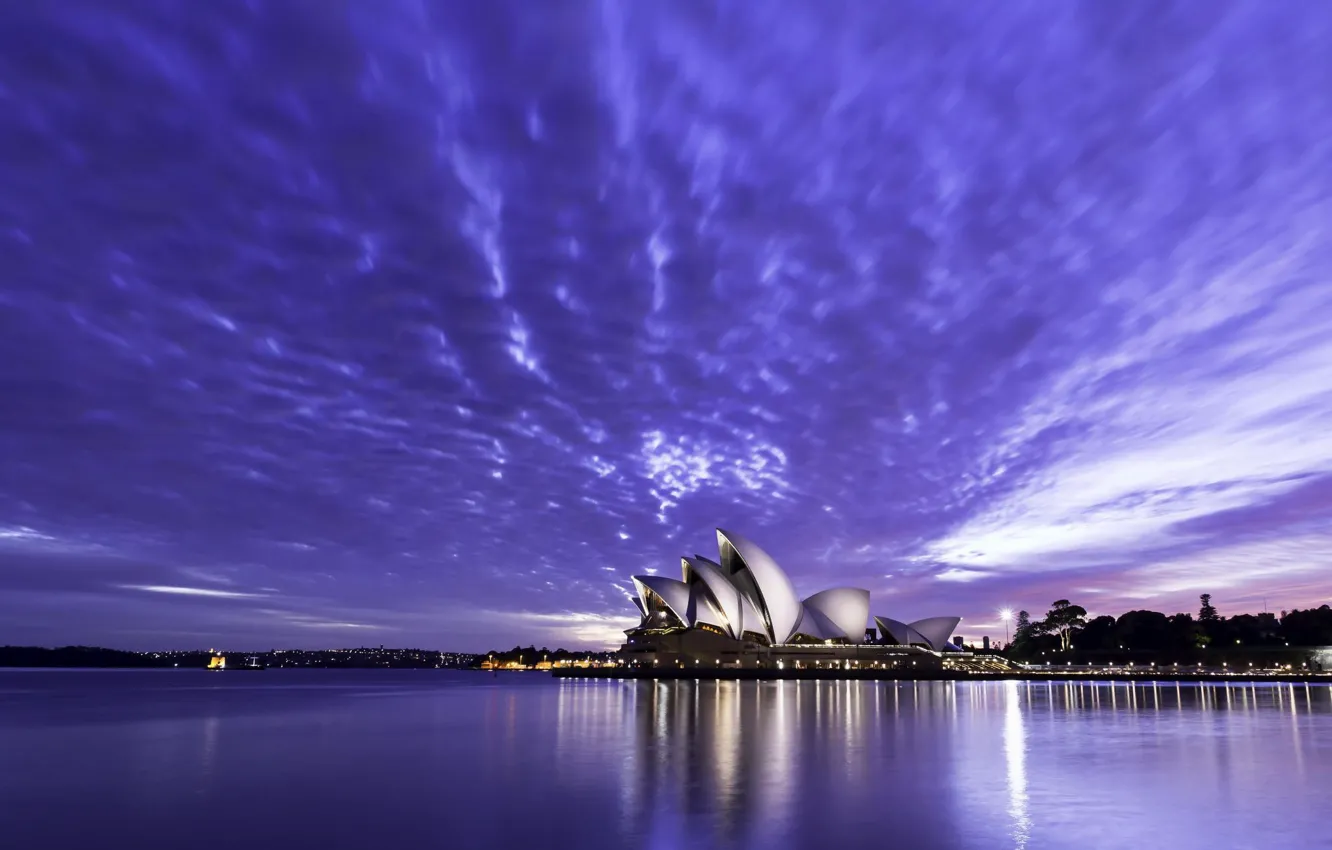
1157	674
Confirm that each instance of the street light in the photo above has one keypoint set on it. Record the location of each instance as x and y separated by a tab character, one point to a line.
1006	615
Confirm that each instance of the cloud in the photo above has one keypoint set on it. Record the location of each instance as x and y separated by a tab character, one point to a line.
955	574
23	534
1252	568
209	592
1220	400
680	466
29	540
200	574
572	627
311	621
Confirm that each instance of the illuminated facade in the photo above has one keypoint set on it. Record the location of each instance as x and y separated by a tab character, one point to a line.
743	606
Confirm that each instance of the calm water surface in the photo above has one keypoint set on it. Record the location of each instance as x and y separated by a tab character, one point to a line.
447	760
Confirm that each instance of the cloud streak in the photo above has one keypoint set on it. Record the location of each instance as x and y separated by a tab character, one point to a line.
205	592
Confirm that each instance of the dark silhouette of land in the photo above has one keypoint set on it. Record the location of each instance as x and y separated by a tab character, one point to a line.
1066	636
363	657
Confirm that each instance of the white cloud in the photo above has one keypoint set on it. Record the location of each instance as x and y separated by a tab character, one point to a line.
1221	398
958	575
520	347
22	533
24	538
201	574
192	591
680	466
1233	568
310	621
598	465
574	627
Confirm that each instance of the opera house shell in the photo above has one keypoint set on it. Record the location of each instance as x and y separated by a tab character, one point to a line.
745	596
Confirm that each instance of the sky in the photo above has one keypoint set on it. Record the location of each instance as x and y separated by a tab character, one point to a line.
430	324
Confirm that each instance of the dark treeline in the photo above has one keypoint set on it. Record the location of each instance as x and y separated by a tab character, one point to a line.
1066	633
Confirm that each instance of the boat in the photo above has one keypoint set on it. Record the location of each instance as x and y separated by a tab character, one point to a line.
219	662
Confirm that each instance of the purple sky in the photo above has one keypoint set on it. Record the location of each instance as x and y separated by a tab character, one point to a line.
431	324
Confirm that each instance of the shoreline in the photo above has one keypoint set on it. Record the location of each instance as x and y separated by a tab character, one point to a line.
712	674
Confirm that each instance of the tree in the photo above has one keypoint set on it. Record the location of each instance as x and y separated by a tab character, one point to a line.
1024	635
1143	630
1063	619
1207	614
1023	622
1023	632
1308	628
1098	634
1253	629
1185	633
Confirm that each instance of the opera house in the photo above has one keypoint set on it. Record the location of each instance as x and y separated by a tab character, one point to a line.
742	611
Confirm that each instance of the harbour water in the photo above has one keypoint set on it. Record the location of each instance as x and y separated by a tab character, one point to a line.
454	760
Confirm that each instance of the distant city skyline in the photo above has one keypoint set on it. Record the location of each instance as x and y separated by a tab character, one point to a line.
432	324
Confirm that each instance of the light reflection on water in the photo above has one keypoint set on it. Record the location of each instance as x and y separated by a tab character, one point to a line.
458	761
1015	754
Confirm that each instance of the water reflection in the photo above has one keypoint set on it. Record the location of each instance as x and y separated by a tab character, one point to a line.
1022	765
777	764
1015	754
211	725
456	761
